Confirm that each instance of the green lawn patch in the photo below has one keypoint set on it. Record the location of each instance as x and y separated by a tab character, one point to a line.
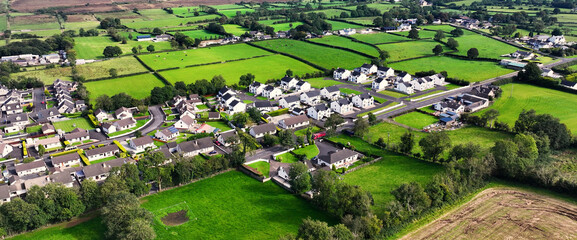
104	159
92	229
220	125
247	101
145	83
201	106
416	119
145	25
349	91
330	13
287	158
310	151
201	34
379	38
411	49
201	55
393	93
34	129
472	71
235	29
139	123
347	43
426	94
445	28
428	109
262	167
422	34
71	124
303	132
322	82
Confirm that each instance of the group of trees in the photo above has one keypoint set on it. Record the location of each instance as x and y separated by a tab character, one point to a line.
201	87
115	102
37	46
531	73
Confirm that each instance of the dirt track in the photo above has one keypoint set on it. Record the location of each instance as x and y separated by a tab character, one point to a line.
500	213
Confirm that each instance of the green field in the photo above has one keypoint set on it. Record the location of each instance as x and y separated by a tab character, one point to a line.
472	71
488	47
264	68
201	34
233	12
235	29
83	24
3	22
280	26
332	13
422	34
411	49
341	25
262	167
227	6
232	206
322	82
72	124
145	83
165	23
347	43
362	20
323	56
379	38
92	47
201	56
416	120
187	11
92	229
445	28
541	99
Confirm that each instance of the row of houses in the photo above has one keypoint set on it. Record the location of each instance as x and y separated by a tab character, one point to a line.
230	102
35	60
65	102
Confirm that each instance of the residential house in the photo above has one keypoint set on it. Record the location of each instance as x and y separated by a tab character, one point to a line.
260	130
569	84
256	88
227	99
347	31
48	143
99	171
405	87
547	72
438	79
311	98
48	128
404	77
4	193
271	92
281	170
303	86
342	106
213	115
225	90
330	93
449	105
289	102
484	91
319	112
416	85
167	134
66	161
30	168
123	113
341	74
195	147
294	122
20	120
185	122
142	143
226	138
101	152
236	106
364	100
368	69
379	84
263	106
77	135
523	55
288	83
12	108
119	125
46	115
385	72
338	158
64	178
5	149
358	77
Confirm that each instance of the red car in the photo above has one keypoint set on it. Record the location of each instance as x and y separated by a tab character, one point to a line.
319	135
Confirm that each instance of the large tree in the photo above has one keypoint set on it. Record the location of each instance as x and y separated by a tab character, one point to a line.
452	44
361	127
286	138
112	51
407	142
473	53
434	144
299	177
125	219
439	35
414	33
437	50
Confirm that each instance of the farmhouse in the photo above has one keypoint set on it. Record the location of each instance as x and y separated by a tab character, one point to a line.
357	77
319	112
101	152
30	168
363	101
368	69
294	122
260	130
226	138
142	143
302	86
523	55
289	102
123	113
338	158
379	84
195	147
99	171
288	83
384	72
185	122
66	161
449	105
256	88
77	135
167	134
311	98
340	74
342	106
271	92
330	93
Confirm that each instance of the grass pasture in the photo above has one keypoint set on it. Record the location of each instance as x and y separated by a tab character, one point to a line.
233	12
411	49
201	34
201	56
171	21
362	20
379	38
92	47
235	29
342	25
347	43
267	211
422	34
322	56
541	99
333	13
276	66
445	28
488	47
280	26
472	71
145	83
88	229
262	167
416	120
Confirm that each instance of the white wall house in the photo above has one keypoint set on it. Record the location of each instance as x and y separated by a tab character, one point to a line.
289	102
330	93
379	84
358	77
294	122
260	130
256	88
339	158
288	83
311	98
271	92
363	101
404	77
303	86
318	112
342	106
384	72
340	74
368	69
404	87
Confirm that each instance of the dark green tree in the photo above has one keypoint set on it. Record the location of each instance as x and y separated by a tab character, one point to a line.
299	177
434	144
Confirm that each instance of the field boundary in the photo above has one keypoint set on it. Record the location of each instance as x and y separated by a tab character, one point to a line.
289	55
341	48
362	42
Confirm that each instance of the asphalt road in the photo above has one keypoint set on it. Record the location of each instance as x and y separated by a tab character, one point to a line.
38	98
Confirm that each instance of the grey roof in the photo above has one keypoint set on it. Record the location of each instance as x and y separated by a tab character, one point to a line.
366	65
187	119
166	152
365	96
213	115
320	107
313	93
335	156
332	89
63	177
104	167
291	99
125	122
99	111
195	144
384	69
295	120
268	88
256	84
65	158
46	127
300	83
403	74
142	141
234	103
379	80
568	83
43	114
19	117
262	104
30	165
264	128
286	79
341	70
4	191
344	101
227	96
121	110
76	133
100	150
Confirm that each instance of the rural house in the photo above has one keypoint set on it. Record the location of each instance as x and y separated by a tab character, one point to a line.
142	143
101	152
4	193
47	128
311	98
48	143
341	74
319	112
260	130
185	122
342	106
294	122
30	168
330	93
379	84
100	115
363	101
12	108
338	158
195	147
66	161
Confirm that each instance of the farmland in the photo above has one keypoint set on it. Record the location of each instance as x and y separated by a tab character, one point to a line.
411	49
379	38
267	211
145	83
528	97
280	26
235	29
92	47
276	66
233	12
165	23
503	213
416	120
341	25
201	34
488	48
472	71
422	34
201	56
323	56
347	43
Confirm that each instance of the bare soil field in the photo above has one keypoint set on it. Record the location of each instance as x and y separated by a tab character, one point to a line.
33	19
503	213
80	18
175	218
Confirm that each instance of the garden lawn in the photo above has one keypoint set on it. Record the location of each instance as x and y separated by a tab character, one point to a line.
92	229
92	47
488	47
235	29
416	120
411	49
72	124
145	83
303	132
201	56
342	25
393	93
323	56
322	82
262	167
232	206
472	71
264	68
220	125
347	43
543	100
287	158
310	151
349	91
378	38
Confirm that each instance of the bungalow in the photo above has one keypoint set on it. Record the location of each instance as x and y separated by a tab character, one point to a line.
271	92
213	115
228	138
77	135
404	77
385	72
185	122
368	69
99	171
363	101
46	115
379	84
123	113
278	169
48	143
311	98
66	161
256	88
303	86
167	134
48	129
404	87
342	106
449	105
523	55
484	91
288	83
142	143
30	168
260	130
338	158
319	112
263	106
289	102
63	177
119	125
236	106
294	122
101	152
12	108
569	84
330	93
473	103
357	77
5	149
195	147
4	193
341	74
80	105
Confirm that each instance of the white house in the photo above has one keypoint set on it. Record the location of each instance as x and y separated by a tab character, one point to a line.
30	168
439	79
523	55
569	84
289	102
294	122
379	84
340	74
288	83
185	122
303	86
311	98
77	135
142	143
48	143
100	115
256	88
339	158
358	77
271	92
66	161
342	106
5	149
368	69
260	130
404	77
123	113
416	85
330	93
384	72
319	112
195	147
404	87
101	152
225	138
225	90
236	106
264	106
363	101
167	134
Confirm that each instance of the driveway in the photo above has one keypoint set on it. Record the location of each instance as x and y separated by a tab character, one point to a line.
37	98
324	147
265	153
